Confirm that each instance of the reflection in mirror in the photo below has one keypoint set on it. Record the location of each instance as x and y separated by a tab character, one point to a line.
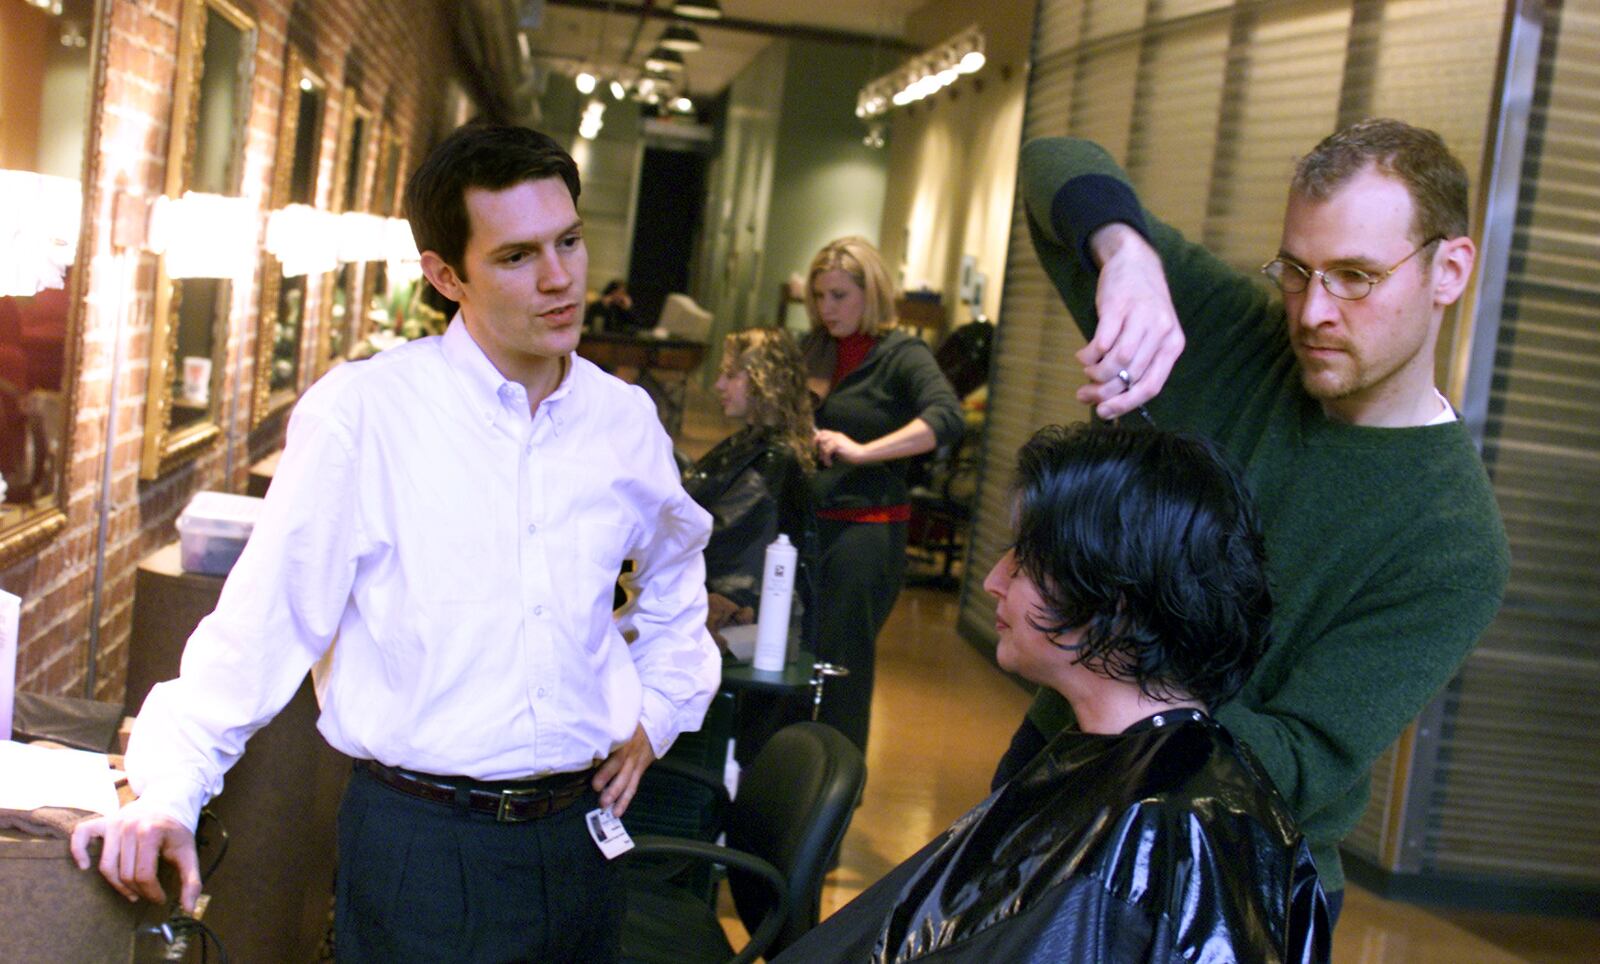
294	181
211	100
47	71
341	323
342	313
391	161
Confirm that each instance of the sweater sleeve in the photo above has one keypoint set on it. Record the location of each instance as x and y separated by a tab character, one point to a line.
1072	188
1353	689
933	399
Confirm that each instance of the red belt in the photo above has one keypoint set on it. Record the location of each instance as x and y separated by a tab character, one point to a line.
876	513
511	802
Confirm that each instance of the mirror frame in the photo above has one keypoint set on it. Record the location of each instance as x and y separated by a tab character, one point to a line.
351	109
38	523
164	449
266	402
391	153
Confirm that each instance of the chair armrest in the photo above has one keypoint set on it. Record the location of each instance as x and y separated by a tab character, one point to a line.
771	923
695	774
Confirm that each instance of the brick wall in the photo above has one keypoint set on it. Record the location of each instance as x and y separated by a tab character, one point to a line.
398	55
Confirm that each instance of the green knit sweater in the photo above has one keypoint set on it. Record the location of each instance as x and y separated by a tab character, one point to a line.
1384	545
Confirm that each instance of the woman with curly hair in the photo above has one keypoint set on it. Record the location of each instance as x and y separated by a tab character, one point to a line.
754	482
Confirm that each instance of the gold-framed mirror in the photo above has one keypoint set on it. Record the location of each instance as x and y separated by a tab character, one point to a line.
281	324
52	72
391	165
205	152
342	314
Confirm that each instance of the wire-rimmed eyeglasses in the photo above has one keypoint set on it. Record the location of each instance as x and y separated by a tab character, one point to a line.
1346	284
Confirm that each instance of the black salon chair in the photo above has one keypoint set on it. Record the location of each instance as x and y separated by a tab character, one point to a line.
794	804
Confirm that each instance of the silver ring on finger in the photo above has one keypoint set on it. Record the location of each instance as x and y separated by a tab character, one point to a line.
1125	379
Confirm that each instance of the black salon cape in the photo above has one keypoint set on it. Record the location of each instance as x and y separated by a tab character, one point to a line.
754	487
1162	843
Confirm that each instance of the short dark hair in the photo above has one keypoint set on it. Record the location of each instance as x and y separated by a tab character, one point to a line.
1415	156
488	156
1149	542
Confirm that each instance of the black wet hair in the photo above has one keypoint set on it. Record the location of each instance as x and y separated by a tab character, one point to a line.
1149	542
488	156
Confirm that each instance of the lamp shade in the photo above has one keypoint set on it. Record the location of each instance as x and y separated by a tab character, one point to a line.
304	239
698	9
205	235
39	217
663	59
680	37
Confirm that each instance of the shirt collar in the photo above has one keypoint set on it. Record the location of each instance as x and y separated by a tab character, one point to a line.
490	393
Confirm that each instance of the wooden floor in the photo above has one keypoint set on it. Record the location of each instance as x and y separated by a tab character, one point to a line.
943	714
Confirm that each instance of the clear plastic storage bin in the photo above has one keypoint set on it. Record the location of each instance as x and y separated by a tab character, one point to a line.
213	530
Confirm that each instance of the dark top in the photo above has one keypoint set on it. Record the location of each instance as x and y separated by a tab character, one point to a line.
898	381
599	316
1162	843
1384	545
754	487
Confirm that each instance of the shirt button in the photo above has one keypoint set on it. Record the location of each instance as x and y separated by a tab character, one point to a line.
528	448
538	610
540	692
532	528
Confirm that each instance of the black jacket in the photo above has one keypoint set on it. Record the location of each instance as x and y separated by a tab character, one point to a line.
898	381
754	487
1163	843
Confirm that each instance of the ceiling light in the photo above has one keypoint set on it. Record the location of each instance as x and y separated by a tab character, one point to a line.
585	82
923	75
683	105
663	59
698	9
681	37
617	90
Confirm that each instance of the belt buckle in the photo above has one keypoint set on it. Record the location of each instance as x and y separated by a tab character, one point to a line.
510	796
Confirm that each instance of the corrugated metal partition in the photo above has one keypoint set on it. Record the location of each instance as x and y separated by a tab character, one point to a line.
1517	789
1207	102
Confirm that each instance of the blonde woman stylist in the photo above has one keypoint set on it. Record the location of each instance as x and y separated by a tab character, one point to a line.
883	402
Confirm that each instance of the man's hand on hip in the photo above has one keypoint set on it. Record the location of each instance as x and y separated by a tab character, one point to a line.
1138	338
618	778
135	842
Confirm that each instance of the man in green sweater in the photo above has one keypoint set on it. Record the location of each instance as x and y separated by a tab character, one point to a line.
1385	547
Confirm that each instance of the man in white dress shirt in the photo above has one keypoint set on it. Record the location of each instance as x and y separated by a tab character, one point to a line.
455	511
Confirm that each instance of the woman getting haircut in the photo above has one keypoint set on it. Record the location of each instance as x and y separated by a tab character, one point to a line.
883	402
754	482
1136	589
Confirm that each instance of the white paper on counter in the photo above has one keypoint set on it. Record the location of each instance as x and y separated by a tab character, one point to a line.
32	777
10	618
741	641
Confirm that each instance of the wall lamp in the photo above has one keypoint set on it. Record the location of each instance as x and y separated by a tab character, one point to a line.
923	75
39	217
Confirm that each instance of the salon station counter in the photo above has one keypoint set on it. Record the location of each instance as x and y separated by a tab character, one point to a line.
271	895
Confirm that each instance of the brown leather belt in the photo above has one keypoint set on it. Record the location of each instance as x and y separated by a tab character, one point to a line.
508	801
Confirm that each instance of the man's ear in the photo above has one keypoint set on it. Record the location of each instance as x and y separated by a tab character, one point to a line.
1452	269
441	276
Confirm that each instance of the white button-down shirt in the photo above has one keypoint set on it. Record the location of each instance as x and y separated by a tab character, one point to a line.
464	551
